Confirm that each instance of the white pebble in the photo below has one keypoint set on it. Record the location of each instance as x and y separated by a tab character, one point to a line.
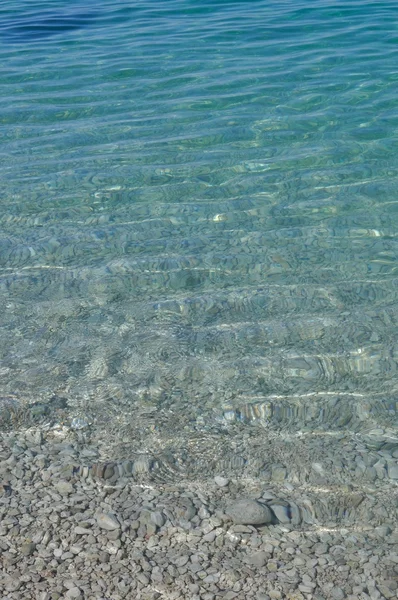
221	481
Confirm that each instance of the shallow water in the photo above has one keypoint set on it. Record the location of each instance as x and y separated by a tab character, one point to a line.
199	215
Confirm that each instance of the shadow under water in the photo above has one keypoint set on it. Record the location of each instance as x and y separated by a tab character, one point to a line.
28	28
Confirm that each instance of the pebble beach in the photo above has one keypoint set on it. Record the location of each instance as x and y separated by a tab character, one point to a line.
74	524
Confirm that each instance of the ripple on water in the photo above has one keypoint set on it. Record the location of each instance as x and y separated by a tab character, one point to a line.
198	240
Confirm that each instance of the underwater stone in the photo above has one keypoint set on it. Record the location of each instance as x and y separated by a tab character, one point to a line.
393	471
278	473
127	467
249	512
109	471
158	519
143	464
295	514
281	513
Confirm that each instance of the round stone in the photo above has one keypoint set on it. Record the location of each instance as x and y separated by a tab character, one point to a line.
221	481
249	512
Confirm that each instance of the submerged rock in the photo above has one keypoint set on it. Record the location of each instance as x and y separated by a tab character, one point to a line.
249	512
282	513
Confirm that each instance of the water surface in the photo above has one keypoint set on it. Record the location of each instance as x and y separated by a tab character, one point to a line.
199	213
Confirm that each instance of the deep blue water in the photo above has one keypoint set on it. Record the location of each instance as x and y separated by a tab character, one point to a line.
199	208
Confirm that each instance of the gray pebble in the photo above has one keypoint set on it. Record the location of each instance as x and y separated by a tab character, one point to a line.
337	593
209	537
151	529
295	514
73	593
306	589
382	531
28	548
259	559
180	561
249	512
109	471
107	521
320	548
114	534
281	513
142	578
81	530
203	512
278	473
391	584
194	588
221	481
185	509
157	518
103	557
241	529
64	487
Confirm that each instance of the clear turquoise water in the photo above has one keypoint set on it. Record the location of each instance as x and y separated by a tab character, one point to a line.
199	209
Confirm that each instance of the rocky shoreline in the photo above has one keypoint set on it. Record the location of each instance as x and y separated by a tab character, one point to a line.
73	525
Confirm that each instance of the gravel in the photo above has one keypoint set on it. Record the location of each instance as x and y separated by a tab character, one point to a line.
66	532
